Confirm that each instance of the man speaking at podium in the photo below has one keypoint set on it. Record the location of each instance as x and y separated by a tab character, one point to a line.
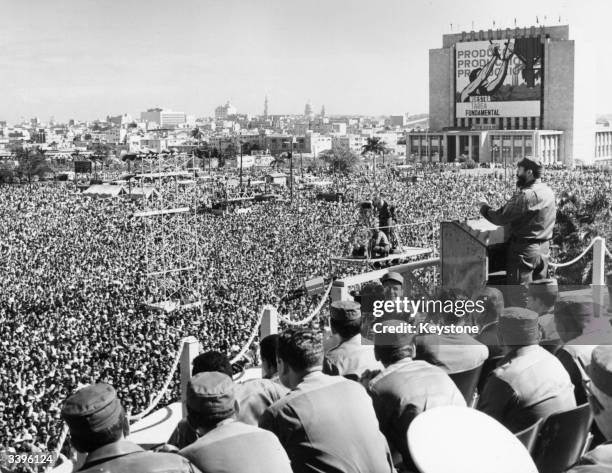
530	215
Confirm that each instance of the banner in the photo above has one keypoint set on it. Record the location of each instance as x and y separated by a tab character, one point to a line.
500	78
82	167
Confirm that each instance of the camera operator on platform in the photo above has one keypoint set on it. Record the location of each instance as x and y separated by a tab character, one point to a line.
530	215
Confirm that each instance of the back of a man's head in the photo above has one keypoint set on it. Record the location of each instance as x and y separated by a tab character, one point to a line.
544	293
211	361
345	318
267	350
451	295
493	303
392	344
577	316
301	349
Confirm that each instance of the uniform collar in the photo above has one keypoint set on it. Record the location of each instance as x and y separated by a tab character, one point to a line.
521	351
355	340
110	451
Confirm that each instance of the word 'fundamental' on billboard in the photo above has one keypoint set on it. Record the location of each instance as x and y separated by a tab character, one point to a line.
499	78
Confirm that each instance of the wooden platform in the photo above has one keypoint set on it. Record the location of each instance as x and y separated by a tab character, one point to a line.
407	252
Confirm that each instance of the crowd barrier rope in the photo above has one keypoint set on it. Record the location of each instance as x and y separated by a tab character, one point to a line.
162	392
248	343
579	257
311	316
60	445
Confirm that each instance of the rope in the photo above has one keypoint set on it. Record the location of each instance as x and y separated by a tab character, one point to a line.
251	338
314	313
577	258
60	445
163	390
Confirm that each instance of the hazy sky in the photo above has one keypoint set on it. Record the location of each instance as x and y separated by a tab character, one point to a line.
86	59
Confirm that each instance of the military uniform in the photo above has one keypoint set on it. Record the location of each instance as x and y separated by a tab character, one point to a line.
549	337
541	297
253	396
453	352
599	460
578	352
96	408
127	456
230	448
227	446
529	384
405	389
327	424
576	320
350	357
530	215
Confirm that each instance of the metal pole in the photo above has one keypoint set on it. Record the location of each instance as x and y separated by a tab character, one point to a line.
291	169
240	143
505	168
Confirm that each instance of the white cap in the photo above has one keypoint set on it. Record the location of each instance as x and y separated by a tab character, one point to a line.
464	440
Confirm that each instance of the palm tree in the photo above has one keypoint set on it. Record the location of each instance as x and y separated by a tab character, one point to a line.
375	146
279	160
196	134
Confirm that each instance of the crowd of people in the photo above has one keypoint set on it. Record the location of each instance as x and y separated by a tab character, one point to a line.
73	281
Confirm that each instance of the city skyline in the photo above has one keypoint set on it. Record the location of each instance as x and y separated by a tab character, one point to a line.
85	60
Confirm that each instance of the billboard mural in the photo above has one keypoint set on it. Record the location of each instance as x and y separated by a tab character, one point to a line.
499	78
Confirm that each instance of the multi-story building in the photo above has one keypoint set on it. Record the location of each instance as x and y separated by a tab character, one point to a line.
603	145
224	111
163	118
499	95
351	142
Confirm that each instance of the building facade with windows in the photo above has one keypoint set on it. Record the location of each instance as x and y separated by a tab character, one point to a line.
499	95
163	118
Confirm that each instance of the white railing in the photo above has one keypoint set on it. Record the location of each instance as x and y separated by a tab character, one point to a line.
340	287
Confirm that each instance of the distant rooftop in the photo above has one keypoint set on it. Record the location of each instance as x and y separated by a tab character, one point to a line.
556	33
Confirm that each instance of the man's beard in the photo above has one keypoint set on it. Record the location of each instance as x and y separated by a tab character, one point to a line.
521	181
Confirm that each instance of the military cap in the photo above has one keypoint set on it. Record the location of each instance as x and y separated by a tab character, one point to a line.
519	326
601	368
345	311
579	308
211	394
543	287
392	333
489	446
393	277
92	409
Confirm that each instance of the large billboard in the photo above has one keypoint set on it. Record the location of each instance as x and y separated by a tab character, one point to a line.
499	78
